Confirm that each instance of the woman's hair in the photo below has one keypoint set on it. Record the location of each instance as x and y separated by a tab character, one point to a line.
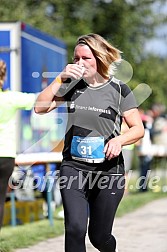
2	73
104	52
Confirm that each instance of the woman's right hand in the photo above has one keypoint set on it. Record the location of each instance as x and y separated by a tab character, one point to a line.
72	71
46	100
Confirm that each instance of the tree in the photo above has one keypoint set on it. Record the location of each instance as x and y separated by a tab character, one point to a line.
152	72
125	23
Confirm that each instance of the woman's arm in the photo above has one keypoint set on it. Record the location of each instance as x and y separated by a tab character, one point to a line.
136	128
132	135
47	99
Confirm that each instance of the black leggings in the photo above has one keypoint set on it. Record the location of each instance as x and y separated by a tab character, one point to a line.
6	169
99	202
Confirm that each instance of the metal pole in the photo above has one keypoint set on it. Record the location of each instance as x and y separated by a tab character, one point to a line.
13	209
6	49
49	196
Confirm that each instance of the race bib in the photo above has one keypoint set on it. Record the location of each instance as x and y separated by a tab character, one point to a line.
88	149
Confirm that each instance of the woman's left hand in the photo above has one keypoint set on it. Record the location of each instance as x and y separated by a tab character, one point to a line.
112	148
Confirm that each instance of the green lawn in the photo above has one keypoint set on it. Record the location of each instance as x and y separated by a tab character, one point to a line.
134	200
29	234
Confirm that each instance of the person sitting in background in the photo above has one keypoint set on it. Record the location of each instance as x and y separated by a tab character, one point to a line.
10	103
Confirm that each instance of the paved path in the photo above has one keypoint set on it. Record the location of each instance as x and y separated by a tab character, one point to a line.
144	230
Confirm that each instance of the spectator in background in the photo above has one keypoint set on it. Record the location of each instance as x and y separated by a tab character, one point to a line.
159	127
10	103
144	147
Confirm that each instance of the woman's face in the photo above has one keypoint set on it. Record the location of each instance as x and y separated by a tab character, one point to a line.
83	56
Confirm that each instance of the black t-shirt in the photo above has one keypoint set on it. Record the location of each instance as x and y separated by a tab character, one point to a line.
95	112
